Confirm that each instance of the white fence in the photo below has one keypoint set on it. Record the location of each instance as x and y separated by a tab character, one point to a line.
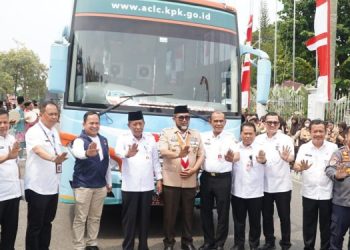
339	110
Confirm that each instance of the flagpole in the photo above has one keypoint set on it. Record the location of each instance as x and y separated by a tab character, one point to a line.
293	67
259	31
275	50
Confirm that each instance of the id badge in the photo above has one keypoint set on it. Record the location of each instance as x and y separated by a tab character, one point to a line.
58	168
220	158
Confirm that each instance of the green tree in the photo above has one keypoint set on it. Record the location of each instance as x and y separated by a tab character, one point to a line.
6	80
27	73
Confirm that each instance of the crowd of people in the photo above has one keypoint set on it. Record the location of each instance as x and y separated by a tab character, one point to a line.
252	176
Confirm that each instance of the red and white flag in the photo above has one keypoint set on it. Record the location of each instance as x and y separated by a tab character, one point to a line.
321	43
246	67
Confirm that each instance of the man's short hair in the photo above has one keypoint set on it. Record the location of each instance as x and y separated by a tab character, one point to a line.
20	99
248	124
4	112
271	114
45	103
216	112
88	113
317	122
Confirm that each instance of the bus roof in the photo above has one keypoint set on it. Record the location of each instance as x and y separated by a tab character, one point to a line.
211	4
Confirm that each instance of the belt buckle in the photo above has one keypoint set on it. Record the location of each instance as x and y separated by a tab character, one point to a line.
213	174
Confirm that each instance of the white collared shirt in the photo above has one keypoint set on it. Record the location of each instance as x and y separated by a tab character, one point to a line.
315	184
79	152
277	171
216	148
40	174
138	172
9	175
247	173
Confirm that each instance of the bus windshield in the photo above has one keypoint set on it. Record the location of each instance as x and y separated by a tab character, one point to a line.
113	58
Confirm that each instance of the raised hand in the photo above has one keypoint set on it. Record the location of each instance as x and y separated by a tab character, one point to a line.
302	165
133	149
285	153
341	172
261	157
61	158
92	150
230	155
13	152
184	152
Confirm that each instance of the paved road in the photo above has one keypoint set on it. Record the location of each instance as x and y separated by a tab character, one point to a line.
111	235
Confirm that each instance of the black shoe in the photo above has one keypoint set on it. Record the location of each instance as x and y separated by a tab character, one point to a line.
219	248
268	246
169	248
237	247
207	246
285	247
91	248
189	246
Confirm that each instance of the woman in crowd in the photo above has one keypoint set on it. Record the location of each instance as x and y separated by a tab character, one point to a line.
303	135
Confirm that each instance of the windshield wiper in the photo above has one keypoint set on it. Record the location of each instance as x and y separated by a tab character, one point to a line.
204	118
127	98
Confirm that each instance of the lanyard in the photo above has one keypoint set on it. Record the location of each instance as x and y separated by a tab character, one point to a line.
53	139
183	141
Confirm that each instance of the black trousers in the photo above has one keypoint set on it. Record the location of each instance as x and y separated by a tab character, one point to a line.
311	210
282	200
215	189
240	208
173	197
41	212
9	223
136	210
340	223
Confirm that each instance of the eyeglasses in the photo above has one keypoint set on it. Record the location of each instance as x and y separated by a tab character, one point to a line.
183	117
272	123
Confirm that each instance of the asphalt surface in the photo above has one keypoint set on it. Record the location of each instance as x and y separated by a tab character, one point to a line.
111	237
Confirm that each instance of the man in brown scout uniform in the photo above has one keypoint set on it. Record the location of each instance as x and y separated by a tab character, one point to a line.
183	155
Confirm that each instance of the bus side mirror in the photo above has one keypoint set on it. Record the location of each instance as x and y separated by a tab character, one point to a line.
263	81
58	67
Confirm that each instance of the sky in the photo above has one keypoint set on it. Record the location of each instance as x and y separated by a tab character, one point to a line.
38	23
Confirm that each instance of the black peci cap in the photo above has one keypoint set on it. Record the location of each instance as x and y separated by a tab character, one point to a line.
133	116
181	109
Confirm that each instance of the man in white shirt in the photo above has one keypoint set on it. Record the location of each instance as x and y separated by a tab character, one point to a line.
215	181
312	160
42	176
277	182
140	167
10	190
248	188
92	180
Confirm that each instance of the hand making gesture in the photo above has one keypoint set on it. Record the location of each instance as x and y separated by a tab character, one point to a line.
61	158
303	165
184	151
13	152
92	150
341	172
261	157
133	149
230	156
285	153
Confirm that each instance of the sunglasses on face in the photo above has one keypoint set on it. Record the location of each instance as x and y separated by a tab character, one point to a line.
183	117
272	123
